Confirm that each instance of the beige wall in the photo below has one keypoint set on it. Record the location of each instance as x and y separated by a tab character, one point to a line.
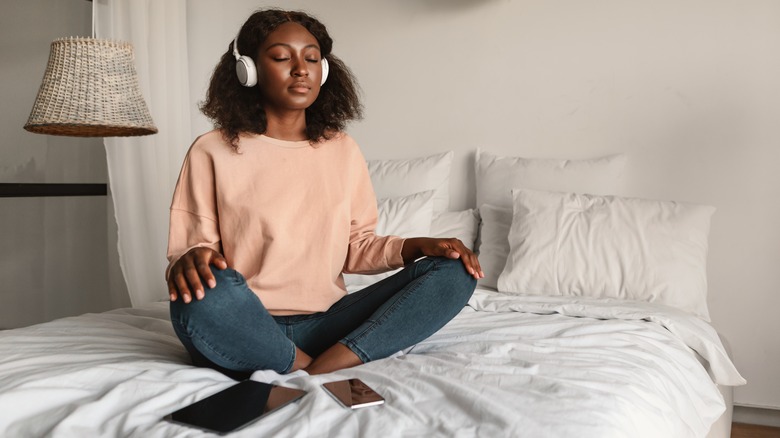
689	90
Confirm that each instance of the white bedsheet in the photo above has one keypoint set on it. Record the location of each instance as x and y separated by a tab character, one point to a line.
507	366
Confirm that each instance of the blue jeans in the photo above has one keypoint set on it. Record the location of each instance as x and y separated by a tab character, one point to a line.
230	330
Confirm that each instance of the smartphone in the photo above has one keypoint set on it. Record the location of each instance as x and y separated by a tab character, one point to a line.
236	406
353	393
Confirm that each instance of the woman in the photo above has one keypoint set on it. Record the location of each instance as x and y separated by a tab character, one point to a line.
274	204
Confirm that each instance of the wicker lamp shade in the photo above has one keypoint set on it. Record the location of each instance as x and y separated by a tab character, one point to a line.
90	89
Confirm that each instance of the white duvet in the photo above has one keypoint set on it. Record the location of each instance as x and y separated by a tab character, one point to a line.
506	366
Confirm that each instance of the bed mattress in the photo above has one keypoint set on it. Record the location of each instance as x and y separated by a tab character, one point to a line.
505	366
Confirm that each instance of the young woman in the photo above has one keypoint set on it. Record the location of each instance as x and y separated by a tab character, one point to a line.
276	203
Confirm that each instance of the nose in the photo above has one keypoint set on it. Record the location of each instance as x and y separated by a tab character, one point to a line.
300	67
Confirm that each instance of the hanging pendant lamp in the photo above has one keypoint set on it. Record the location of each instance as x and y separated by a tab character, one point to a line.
90	89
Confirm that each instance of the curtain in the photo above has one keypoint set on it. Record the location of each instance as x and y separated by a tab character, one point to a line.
142	171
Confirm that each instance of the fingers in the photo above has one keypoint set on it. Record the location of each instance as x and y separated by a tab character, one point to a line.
191	271
473	263
452	254
450	248
218	260
470	261
202	259
172	290
181	284
193	279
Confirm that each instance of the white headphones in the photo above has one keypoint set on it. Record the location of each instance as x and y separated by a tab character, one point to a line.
247	71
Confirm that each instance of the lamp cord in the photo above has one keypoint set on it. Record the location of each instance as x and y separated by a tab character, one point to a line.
94	21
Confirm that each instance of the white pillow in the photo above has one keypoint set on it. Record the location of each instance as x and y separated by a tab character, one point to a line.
609	247
497	175
407	216
460	224
494	243
395	178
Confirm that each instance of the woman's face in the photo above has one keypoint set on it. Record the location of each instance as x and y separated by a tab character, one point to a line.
289	68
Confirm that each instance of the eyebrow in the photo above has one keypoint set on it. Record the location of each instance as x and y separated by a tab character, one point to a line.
289	46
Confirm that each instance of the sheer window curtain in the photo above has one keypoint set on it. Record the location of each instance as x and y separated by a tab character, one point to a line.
142	171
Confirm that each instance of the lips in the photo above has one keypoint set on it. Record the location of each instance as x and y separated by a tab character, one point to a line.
300	87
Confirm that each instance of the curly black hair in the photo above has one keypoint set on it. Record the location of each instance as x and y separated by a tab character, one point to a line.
236	109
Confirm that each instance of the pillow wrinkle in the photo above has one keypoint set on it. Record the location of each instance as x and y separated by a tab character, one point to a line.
397	178
496	177
556	255
608	247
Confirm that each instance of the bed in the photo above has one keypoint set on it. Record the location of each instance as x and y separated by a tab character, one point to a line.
574	358
506	366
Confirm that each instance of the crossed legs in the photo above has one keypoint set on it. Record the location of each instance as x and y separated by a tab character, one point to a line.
230	329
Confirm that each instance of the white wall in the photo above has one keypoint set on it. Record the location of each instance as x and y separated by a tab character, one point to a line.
689	90
55	260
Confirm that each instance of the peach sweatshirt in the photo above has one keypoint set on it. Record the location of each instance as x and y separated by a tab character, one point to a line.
289	216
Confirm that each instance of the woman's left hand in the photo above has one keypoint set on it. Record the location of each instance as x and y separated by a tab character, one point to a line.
452	248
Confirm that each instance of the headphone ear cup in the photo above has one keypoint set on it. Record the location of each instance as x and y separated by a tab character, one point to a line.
325	71
246	71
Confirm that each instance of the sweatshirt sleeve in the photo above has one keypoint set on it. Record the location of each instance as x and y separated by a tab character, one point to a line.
193	215
368	253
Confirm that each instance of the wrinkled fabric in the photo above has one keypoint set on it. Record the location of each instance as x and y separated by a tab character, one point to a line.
611	369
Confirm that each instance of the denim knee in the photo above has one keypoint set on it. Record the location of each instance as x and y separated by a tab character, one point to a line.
457	284
438	290
208	306
231	328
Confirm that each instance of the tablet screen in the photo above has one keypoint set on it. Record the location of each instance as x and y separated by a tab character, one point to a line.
236	406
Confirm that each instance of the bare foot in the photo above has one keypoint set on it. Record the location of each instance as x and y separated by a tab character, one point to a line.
302	360
334	358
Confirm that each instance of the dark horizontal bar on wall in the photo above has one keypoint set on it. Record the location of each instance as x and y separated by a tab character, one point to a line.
32	190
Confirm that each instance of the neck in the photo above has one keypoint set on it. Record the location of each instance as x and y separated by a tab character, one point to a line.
288	125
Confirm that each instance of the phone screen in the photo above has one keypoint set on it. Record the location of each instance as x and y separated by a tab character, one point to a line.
236	406
353	393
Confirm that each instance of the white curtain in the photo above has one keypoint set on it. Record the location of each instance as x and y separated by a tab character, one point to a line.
142	171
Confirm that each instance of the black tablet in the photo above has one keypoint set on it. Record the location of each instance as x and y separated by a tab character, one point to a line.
236	406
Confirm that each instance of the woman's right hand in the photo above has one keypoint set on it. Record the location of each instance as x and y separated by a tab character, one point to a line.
186	274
